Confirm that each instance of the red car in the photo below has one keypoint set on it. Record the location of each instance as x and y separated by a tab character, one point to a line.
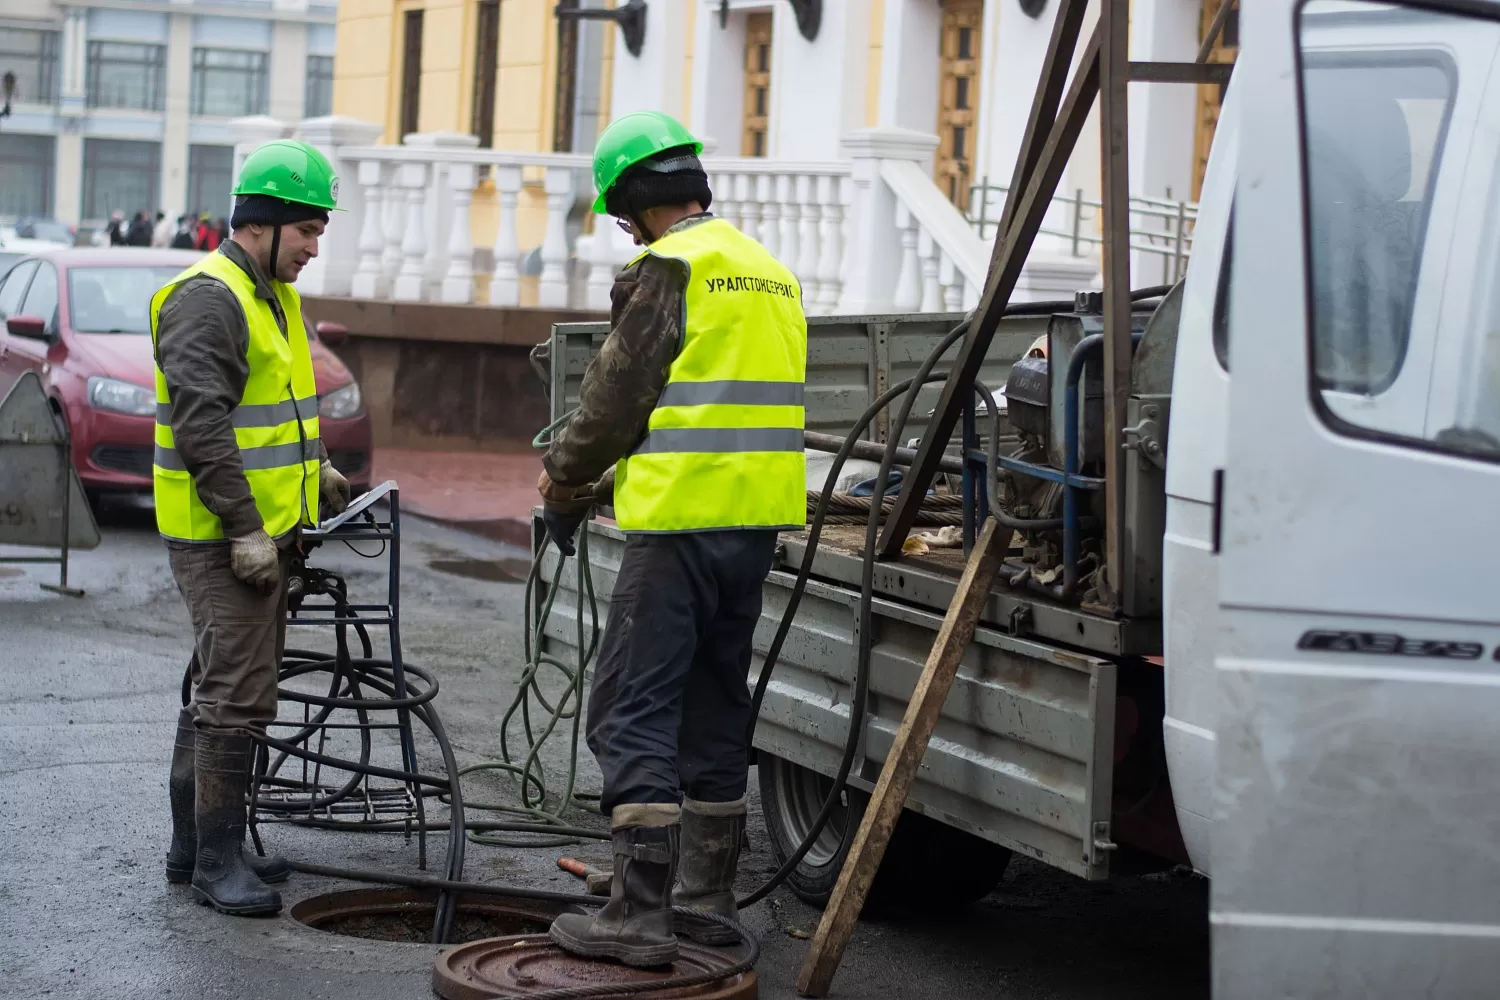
80	318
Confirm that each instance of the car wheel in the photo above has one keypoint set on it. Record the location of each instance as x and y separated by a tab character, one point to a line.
928	865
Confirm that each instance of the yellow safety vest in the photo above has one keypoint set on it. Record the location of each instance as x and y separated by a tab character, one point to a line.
275	423
723	447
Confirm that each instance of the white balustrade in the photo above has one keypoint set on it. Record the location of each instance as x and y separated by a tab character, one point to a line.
806	264
505	280
929	252
458	283
745	194
553	288
369	280
909	283
831	238
412	178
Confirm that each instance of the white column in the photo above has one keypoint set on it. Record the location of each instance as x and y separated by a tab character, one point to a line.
505	286
806	266
874	254
436	217
288	75
458	283
342	247
928	253
552	289
369	280
791	217
718	99
909	65
67	186
818	87
393	222
174	138
653	80
745	196
769	230
952	280
605	255
412	178
830	242
725	204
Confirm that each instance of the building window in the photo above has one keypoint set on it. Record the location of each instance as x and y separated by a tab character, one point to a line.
411	74
210	176
126	75
486	67
317	99
26	174
757	114
958	92
228	83
32	56
120	176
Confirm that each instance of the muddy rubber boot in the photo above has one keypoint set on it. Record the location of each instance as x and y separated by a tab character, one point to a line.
711	835
221	878
184	849
635	926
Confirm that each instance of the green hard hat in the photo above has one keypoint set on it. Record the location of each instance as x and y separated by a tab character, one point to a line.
627	141
292	171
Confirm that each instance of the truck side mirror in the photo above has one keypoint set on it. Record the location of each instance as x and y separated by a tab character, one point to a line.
332	334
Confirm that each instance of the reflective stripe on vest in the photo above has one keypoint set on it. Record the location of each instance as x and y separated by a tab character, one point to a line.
275	422
723	447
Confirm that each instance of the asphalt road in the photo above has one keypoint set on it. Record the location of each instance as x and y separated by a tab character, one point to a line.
86	722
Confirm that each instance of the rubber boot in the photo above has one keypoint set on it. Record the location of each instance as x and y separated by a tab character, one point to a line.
711	836
184	847
635	926
221	878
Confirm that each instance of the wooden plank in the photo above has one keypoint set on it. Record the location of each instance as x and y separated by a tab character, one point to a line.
1114	73
889	797
1010	257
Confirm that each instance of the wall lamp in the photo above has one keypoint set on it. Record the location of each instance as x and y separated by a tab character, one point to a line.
809	15
630	16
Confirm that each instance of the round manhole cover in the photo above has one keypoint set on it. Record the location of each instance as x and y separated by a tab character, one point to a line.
519	966
407	915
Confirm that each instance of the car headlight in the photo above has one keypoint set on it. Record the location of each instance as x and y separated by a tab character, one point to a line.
121	397
341	404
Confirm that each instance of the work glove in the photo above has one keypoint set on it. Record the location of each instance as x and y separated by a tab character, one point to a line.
333	488
565	508
254	560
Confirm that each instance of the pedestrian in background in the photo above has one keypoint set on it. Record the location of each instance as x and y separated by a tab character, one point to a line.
140	231
117	228
239	469
183	239
162	235
207	235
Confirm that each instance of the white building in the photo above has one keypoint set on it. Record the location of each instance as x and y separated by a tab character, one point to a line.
124	104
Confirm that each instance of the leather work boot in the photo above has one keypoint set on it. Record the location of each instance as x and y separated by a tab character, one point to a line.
711	835
635	926
221	878
184	847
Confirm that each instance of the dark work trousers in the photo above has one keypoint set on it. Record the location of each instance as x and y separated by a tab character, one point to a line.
238	638
670	702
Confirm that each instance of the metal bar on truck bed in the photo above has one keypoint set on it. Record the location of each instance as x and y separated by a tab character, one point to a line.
1114	125
872	451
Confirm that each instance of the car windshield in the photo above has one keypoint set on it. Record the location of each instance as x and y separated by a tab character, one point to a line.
114	299
44	229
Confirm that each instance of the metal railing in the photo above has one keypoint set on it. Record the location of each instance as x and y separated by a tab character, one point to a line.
1159	226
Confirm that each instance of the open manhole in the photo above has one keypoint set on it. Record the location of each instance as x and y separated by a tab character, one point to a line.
407	915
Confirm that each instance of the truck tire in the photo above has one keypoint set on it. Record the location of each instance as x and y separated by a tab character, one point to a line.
928	865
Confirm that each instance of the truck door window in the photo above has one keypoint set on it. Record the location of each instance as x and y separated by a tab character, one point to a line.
1221	296
1379	87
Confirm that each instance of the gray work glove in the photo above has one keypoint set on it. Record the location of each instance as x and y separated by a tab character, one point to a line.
333	488
254	560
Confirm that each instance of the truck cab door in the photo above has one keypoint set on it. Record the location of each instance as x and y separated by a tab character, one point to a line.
1356	851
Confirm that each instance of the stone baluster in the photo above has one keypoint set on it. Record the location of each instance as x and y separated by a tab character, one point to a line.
552	289
412	177
725	205
952	280
393	222
769	232
928	253
601	264
786	236
369	281
744	195
505	284
830	242
806	265
458	282
909	276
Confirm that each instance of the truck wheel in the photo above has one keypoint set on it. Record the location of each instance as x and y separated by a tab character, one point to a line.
928	864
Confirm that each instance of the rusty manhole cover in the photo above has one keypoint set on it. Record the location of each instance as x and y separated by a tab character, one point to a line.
407	914
518	966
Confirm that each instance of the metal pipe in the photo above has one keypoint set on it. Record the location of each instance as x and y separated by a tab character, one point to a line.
1092	344
872	451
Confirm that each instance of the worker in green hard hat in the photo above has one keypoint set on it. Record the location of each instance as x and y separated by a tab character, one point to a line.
238	470
695	399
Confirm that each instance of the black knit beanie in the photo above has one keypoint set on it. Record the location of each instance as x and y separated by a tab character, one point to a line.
264	210
671	177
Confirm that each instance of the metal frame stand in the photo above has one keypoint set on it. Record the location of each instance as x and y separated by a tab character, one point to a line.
1058	115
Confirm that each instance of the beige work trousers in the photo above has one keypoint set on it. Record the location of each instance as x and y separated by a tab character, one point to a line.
238	638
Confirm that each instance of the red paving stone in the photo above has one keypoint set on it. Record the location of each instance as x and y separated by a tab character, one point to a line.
490	493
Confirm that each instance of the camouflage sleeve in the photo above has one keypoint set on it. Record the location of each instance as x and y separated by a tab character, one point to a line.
621	385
